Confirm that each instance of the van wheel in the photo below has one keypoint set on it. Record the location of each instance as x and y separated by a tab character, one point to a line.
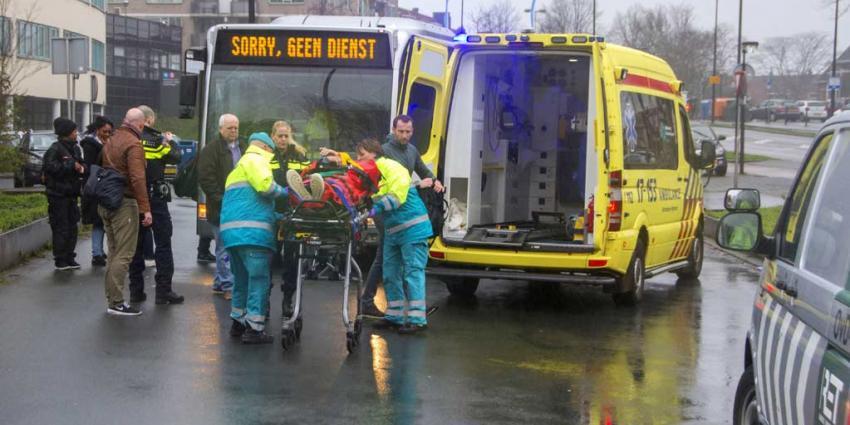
695	258
461	286
632	282
746	406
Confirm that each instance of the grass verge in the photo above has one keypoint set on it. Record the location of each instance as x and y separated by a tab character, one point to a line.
769	216
19	209
748	157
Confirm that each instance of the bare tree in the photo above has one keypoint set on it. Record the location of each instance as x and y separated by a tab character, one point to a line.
569	16
500	16
670	32
799	54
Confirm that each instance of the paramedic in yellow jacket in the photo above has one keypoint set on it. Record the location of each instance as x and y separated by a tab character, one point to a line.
247	228
407	228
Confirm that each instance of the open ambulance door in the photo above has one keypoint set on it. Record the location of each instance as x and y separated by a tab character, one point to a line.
424	93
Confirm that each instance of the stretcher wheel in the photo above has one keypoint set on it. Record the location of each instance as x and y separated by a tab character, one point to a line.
287	338
299	324
351	341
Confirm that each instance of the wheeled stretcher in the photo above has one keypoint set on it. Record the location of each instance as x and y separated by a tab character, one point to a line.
321	228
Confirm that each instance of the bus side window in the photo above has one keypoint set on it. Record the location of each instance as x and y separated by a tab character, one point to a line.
420	107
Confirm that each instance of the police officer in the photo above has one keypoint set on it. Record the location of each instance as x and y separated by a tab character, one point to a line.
159	150
288	155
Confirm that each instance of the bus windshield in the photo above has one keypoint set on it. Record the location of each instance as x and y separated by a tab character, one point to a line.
326	106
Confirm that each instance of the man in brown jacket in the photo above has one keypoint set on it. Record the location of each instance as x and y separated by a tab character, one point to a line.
124	154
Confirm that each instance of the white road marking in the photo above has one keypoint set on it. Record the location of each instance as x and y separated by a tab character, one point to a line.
763	142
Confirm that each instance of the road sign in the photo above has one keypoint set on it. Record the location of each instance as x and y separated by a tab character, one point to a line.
76	48
713	80
834	83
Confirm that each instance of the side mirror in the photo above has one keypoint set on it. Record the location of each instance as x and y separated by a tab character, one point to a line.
188	90
739	231
721	137
708	153
742	200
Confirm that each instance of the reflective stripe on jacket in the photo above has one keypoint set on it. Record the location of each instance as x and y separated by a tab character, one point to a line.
405	216
247	212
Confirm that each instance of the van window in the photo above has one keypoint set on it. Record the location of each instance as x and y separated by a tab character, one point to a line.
827	254
420	107
649	132
792	226
688	142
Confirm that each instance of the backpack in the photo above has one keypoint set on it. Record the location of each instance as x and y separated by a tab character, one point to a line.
186	182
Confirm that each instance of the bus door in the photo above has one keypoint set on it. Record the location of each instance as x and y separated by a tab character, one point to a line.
424	92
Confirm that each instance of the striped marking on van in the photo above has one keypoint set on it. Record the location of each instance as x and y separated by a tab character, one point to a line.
687	229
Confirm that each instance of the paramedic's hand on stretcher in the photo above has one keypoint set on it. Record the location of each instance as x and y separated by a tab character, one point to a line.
330	154
429	182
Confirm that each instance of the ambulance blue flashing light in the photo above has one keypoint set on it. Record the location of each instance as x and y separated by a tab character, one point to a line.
464	38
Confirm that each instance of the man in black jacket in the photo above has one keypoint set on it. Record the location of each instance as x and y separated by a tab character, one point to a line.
63	170
217	160
160	149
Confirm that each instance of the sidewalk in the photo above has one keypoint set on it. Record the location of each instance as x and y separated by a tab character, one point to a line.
777	127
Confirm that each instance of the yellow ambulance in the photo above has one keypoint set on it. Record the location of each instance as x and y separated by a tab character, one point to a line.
565	159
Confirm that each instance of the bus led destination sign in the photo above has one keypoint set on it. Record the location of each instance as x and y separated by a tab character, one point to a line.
332	48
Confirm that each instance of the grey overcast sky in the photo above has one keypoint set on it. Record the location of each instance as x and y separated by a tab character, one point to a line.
762	18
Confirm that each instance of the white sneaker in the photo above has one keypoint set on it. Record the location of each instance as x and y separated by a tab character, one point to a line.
123	310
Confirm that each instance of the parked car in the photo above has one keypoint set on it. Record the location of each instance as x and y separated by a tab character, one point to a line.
813	109
703	133
775	109
32	146
796	355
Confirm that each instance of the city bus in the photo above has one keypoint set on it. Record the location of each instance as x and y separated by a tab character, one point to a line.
335	79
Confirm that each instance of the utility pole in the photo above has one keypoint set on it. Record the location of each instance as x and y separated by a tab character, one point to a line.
832	90
252	14
713	68
738	107
594	17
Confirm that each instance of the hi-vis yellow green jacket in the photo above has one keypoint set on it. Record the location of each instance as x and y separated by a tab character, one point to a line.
405	216
247	211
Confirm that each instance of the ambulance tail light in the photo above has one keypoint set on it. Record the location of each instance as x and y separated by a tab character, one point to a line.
202	211
588	222
615	204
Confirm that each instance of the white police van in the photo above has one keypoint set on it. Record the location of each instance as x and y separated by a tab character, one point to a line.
797	355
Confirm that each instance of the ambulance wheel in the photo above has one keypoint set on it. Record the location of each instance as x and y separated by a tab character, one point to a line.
351	342
287	338
746	406
695	258
632	283
461	286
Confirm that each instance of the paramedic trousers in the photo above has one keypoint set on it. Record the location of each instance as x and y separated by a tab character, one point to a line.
163	255
404	273
251	266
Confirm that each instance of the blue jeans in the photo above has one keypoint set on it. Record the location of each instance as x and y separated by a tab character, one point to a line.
252	272
404	274
97	234
223	277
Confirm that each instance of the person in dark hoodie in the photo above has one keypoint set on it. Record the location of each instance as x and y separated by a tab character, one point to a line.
97	133
63	171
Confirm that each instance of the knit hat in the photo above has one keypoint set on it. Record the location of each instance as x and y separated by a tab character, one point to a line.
262	137
63	127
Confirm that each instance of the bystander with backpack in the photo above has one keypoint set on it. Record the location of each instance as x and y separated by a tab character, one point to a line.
97	133
63	171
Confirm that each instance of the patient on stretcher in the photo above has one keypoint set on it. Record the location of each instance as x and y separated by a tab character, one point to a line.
348	187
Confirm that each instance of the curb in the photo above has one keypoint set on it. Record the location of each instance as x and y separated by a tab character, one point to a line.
19	243
765	129
710	231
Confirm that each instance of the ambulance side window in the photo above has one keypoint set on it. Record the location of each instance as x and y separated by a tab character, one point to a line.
420	107
688	142
649	132
790	230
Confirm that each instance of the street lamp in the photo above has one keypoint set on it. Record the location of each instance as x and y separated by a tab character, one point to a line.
740	100
832	89
531	13
714	66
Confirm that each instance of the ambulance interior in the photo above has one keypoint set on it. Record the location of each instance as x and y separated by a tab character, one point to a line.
516	156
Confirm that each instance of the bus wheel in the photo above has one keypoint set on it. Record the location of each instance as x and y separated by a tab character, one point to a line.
695	258
461	286
632	283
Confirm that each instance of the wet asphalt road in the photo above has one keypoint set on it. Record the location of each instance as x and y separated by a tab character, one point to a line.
518	353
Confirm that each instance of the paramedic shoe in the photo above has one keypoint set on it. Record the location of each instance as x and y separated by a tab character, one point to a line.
169	298
372	311
236	328
256	337
293	180
317	186
386	324
409	329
